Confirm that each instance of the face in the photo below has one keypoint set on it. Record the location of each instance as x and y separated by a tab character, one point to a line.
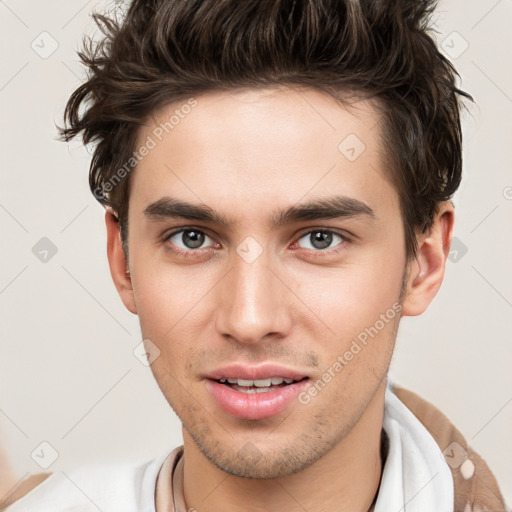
234	276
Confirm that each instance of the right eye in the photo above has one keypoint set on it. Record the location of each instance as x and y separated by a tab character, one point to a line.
187	239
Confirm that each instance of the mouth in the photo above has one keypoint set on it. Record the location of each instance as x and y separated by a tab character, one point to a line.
255	393
258	385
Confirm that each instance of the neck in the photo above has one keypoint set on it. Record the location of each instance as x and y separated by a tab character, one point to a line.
345	479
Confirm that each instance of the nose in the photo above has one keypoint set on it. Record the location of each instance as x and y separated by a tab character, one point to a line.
254	303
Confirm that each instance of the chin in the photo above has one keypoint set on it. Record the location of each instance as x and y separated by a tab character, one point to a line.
251	461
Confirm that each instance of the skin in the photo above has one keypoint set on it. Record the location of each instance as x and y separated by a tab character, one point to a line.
246	154
7	478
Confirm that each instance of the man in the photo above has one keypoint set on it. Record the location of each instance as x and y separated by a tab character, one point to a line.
277	179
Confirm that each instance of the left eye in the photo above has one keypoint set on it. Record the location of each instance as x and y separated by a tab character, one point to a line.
321	239
189	238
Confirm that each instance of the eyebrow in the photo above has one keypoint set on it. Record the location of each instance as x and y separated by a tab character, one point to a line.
326	208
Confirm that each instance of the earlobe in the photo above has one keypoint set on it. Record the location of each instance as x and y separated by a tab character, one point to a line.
426	271
117	262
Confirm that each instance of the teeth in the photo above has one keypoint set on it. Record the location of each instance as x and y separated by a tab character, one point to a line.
259	383
263	383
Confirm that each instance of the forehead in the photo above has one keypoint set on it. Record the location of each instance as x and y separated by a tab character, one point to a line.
252	149
260	113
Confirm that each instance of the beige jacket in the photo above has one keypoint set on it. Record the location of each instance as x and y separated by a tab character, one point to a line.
475	487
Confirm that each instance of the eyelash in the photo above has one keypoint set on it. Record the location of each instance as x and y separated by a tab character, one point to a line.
321	252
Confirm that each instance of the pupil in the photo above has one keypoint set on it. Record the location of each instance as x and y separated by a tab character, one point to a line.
322	238
193	239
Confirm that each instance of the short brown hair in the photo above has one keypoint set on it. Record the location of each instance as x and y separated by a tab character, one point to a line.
163	51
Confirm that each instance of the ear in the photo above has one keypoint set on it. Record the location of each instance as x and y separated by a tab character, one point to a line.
425	273
117	262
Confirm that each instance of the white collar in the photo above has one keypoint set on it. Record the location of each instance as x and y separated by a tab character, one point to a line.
415	478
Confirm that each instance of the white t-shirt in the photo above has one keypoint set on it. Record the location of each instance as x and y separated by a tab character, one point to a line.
415	477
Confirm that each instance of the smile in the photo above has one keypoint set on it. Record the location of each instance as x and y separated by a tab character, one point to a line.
257	386
255	399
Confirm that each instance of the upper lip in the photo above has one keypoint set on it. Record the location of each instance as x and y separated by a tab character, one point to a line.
247	372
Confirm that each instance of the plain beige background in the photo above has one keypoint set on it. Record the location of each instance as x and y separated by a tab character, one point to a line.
69	375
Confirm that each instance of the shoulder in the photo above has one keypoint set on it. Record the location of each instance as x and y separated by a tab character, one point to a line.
22	489
127	486
475	487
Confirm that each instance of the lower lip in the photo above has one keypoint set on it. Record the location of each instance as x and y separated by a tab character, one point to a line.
254	406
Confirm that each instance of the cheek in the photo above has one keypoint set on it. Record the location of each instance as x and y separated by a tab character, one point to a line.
165	292
349	299
173	308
